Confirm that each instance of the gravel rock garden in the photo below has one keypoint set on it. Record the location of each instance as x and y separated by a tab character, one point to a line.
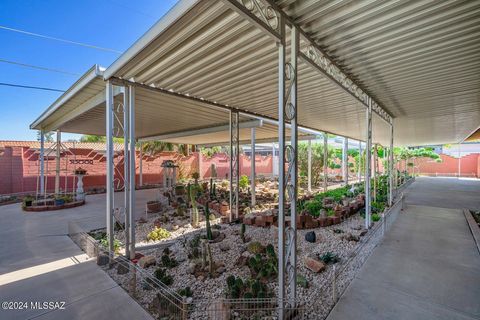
190	246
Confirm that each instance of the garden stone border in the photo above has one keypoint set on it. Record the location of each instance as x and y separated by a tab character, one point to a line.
52	208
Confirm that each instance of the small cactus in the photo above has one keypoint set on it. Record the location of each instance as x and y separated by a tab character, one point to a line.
210	261
242	232
207	220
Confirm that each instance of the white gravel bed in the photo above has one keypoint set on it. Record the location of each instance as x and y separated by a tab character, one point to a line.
319	292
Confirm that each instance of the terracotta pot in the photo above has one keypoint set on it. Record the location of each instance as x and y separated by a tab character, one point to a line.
154	206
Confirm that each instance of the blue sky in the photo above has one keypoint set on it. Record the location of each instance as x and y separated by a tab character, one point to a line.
114	24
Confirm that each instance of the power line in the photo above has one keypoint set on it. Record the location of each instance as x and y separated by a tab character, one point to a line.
29	87
59	39
38	67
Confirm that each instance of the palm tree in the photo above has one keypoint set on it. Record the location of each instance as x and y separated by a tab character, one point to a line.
154	147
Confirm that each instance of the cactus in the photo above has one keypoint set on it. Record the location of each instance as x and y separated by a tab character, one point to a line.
204	254
211	188
213	170
210	260
242	232
271	251
207	220
192	193
255	247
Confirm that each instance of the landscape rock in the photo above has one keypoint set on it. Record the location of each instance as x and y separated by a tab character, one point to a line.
122	269
103	260
224	247
191	268
147	261
314	265
311	237
351	237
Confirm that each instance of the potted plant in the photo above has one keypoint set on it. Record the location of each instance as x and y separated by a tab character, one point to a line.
154	206
59	200
28	201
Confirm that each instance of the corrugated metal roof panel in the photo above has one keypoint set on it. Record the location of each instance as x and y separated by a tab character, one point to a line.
419	58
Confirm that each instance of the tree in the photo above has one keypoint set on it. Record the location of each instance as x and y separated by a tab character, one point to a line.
317	160
98	139
92	138
154	147
48	136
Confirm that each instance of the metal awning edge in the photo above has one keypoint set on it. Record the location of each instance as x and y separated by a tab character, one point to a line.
92	73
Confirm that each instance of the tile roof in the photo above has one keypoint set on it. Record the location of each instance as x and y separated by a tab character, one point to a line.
97	146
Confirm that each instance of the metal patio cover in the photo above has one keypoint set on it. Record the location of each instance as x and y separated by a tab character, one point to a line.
419	60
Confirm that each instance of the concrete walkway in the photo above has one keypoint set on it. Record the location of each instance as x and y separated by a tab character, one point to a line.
428	266
39	263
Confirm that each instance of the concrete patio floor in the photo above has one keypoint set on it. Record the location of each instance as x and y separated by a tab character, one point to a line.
39	263
428	266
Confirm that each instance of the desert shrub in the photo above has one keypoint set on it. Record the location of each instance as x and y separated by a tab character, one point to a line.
313	207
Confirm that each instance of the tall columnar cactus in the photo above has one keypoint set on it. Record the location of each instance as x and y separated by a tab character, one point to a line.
207	220
211	188
192	193
204	253
210	260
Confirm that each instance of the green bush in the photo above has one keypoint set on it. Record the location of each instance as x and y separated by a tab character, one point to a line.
313	207
116	243
375	217
243	182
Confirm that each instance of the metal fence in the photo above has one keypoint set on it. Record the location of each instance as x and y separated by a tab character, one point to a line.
161	301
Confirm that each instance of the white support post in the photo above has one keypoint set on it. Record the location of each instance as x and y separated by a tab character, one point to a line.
126	168
281	171
252	168
234	164
390	168
368	170
459	160
359	161
309	169
132	171
292	160
375	172
345	161
42	163
57	162
140	166
325	162
110	173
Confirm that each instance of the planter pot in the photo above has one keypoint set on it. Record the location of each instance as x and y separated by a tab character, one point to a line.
154	207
